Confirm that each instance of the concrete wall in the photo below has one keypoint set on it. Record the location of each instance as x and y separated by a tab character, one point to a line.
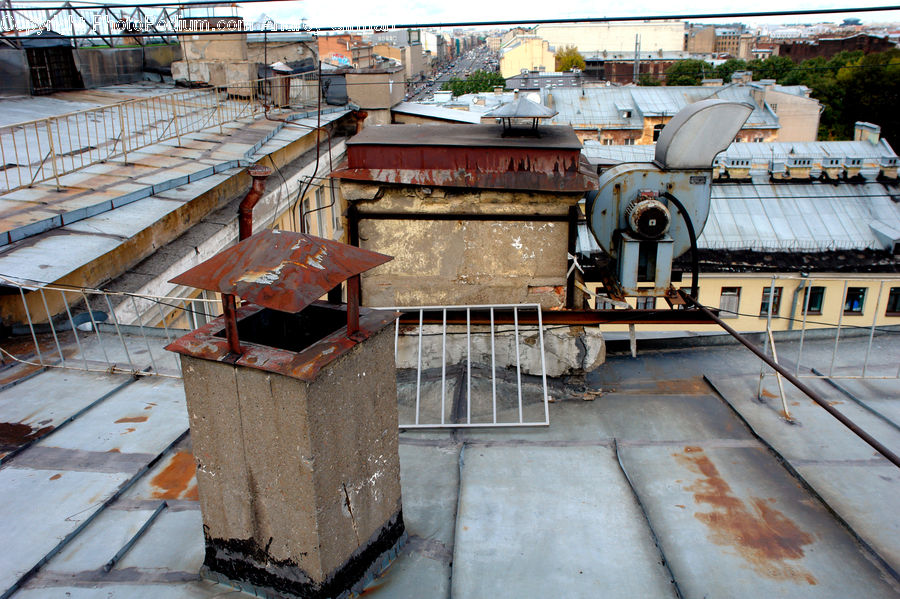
15	78
615	37
462	262
379	89
798	116
277	51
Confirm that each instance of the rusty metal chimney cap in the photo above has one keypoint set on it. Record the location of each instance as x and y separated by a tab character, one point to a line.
281	270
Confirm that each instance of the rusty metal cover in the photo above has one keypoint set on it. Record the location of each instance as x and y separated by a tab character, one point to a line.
281	270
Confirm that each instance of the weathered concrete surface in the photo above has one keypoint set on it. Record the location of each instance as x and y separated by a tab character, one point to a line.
548	529
720	510
567	350
301	475
439	262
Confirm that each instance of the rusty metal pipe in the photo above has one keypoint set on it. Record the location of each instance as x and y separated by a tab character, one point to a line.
890	455
229	312
245	210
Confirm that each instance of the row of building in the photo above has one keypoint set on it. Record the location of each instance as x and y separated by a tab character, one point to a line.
622	52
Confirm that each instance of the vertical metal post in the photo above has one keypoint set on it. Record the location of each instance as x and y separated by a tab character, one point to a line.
419	366
468	366
443	365
115	320
543	366
493	371
162	318
74	328
572	251
837	336
396	337
52	153
229	309
96	329
175	119
218	109
353	305
518	360
787	413
122	136
37	347
141	326
872	330
806	295
52	328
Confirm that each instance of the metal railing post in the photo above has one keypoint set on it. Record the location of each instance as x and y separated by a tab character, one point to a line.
175	119
122	134
872	330
52	153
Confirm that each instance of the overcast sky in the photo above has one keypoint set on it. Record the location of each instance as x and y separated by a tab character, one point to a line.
330	13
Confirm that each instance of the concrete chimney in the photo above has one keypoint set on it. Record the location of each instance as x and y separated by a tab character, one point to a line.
294	425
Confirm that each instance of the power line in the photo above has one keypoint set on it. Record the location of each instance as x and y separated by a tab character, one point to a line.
461	24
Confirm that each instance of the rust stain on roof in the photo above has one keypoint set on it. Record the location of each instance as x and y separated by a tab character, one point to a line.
15	434
174	481
132	419
761	534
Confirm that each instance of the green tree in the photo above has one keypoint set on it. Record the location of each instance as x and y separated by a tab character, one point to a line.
479	81
773	67
687	72
647	79
728	68
569	58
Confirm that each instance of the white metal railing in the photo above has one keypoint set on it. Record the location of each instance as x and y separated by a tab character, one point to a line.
437	353
105	331
862	368
50	148
472	376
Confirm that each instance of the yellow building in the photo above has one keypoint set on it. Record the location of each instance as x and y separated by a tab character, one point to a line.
527	52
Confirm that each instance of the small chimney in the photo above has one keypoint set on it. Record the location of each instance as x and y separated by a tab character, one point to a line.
498	90
516	94
869	132
294	426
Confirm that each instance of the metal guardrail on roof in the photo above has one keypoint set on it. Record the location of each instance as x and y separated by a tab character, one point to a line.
48	149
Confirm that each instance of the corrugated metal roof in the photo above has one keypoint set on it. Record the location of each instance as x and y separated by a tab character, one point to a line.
595	107
599	154
437	112
797	217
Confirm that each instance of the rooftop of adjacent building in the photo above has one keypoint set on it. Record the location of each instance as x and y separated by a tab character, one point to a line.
661	476
103	204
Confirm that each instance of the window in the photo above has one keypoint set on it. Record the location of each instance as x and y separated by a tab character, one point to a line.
893	303
776	303
304	215
774	107
758	139
855	299
321	231
629	141
657	129
730	302
816	297
645	303
607	141
599	303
